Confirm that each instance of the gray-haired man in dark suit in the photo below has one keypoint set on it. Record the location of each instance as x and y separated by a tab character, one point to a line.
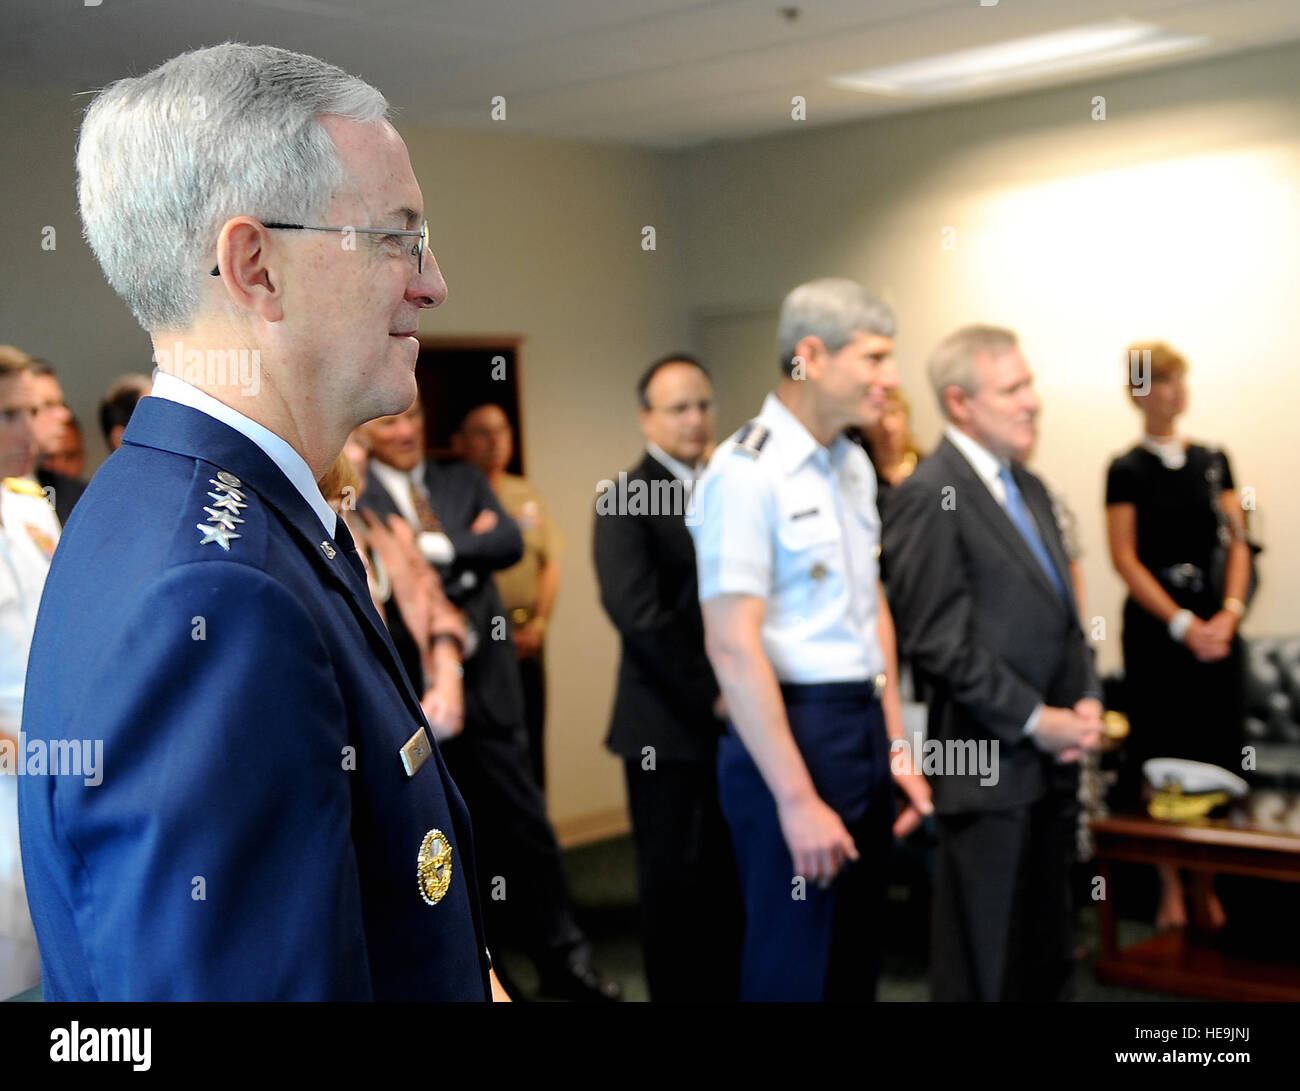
980	588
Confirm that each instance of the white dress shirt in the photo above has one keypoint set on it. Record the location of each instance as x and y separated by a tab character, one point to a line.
436	547
684	473
985	463
293	465
987	467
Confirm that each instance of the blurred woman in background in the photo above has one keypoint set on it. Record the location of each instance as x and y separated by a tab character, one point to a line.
1178	540
428	632
889	443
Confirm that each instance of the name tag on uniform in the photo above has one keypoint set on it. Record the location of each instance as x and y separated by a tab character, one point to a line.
416	752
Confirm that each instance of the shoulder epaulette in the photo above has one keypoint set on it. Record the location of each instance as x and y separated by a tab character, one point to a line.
224	514
22	485
751	437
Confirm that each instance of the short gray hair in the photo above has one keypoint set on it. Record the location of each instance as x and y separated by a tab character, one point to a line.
953	363
165	159
833	309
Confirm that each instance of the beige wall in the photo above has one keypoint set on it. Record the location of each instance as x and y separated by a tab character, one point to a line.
1177	217
544	239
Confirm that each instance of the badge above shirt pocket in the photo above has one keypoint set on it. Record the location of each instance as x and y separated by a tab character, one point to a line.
807	527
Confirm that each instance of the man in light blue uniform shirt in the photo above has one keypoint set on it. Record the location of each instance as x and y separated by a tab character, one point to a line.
801	639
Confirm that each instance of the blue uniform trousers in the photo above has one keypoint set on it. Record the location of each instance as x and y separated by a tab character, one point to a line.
802	942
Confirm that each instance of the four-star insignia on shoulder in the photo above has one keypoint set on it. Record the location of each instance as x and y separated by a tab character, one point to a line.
751	437
227	502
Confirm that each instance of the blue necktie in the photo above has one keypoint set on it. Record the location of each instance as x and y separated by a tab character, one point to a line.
1028	531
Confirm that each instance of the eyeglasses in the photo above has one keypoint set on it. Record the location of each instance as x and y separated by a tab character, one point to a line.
417	251
679	409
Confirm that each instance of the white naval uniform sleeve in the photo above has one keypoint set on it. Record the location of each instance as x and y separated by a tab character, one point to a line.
732	528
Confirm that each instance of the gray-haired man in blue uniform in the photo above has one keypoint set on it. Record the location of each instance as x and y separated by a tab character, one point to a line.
273	821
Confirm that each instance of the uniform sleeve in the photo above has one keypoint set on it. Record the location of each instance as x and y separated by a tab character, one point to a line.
216	852
731	526
1121	486
552	538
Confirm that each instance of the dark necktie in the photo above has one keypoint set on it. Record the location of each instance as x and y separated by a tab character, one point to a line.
1024	523
348	546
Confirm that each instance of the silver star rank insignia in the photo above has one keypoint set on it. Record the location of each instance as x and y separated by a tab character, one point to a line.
226	488
228	502
222	516
219	534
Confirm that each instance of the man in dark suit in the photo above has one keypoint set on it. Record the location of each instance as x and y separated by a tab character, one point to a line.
52	417
980	589
463	531
62	490
267	817
668	715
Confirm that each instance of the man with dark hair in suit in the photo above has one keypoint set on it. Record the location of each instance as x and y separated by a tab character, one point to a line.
463	531
668	713
980	588
118	404
52	418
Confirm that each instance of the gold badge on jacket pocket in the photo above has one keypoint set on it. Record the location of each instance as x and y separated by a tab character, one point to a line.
433	866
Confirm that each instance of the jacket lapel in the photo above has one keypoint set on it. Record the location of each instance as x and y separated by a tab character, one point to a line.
651	470
377	498
995	517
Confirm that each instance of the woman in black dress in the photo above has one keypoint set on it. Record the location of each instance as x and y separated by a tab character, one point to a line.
1166	502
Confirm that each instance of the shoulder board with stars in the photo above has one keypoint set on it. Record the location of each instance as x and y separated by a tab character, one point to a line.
751	437
22	485
223	514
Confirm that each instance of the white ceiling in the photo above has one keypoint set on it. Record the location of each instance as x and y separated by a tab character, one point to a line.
656	73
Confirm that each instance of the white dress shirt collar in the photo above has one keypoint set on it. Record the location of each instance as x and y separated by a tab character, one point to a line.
985	463
674	466
398	484
291	463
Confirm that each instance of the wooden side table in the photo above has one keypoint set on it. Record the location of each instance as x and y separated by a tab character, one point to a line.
1183	960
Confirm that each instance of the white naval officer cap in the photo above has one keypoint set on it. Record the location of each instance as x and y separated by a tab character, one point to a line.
1192	777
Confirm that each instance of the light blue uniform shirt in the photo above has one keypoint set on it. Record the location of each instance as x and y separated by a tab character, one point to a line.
795	523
